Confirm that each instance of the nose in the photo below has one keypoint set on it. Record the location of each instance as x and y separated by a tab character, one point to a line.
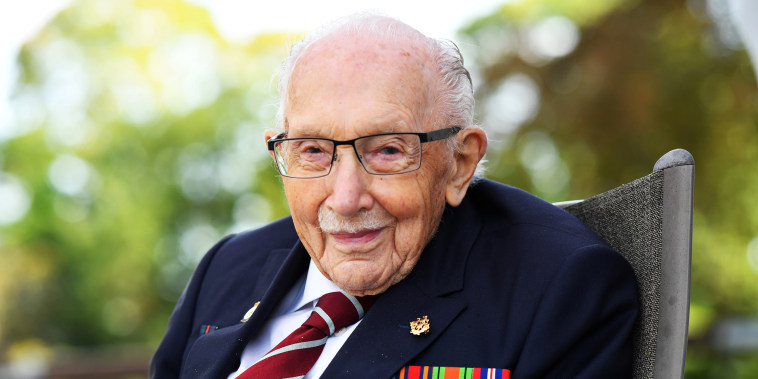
348	183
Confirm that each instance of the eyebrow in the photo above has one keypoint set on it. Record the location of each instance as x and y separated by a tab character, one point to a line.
303	134
371	128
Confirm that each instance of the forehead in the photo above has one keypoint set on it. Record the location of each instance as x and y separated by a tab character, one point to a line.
344	85
350	131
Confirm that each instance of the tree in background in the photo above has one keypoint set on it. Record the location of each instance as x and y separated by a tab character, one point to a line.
582	96
138	143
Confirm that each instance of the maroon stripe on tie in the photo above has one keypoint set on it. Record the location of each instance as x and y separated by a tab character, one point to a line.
299	351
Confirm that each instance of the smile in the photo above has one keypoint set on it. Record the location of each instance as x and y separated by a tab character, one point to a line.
358	238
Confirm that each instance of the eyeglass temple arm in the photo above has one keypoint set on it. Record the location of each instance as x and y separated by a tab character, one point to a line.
273	139
440	134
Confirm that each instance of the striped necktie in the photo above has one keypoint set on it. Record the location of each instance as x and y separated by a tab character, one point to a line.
299	351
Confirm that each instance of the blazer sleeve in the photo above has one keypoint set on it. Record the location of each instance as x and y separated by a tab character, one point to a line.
583	325
168	358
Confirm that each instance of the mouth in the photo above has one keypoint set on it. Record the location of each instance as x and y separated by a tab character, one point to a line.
358	238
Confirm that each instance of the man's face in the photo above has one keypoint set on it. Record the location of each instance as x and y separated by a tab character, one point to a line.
364	232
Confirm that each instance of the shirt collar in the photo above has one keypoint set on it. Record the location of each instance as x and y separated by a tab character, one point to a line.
316	285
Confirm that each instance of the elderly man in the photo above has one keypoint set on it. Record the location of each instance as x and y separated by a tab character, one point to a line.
393	264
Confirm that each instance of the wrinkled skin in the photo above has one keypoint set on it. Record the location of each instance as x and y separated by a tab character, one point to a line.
343	88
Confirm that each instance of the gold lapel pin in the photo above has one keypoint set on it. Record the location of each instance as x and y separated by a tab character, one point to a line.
250	311
420	326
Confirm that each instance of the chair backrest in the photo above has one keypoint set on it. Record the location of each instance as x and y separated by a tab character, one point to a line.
649	221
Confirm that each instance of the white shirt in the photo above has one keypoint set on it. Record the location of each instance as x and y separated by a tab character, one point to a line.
294	309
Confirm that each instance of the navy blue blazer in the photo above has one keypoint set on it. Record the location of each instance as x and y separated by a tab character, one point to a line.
508	281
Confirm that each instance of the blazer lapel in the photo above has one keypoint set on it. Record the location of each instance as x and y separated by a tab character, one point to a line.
275	287
216	354
383	343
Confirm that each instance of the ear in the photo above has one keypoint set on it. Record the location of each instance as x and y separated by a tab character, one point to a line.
473	146
267	135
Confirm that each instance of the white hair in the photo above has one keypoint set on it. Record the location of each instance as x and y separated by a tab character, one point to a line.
453	101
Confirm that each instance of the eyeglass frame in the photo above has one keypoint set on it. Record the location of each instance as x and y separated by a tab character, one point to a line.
434	135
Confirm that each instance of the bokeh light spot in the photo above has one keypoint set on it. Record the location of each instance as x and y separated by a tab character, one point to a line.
553	37
515	102
14	199
70	175
752	254
195	241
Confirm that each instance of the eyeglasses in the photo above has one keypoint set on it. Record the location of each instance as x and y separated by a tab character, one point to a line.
379	154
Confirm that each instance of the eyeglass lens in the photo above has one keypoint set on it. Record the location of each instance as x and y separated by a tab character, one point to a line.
382	154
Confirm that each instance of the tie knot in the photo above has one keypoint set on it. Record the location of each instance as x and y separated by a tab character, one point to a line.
336	310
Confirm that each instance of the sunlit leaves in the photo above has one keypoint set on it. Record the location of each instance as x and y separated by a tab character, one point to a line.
136	143
645	77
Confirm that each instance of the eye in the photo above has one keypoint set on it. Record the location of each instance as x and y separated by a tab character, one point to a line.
312	147
389	150
312	150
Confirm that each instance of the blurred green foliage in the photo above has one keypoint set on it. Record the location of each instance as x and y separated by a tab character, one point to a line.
139	139
644	78
138	142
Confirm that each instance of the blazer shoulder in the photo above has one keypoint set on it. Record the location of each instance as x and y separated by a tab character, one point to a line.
508	209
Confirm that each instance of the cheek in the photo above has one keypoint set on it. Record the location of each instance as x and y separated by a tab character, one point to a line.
417	195
417	207
404	203
304	200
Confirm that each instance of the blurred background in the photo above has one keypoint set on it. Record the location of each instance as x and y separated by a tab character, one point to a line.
131	139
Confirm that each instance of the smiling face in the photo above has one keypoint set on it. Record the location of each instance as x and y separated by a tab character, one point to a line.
365	232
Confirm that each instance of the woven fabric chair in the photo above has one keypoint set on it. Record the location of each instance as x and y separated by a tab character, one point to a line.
649	221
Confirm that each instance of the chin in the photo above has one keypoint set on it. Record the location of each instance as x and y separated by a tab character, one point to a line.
361	283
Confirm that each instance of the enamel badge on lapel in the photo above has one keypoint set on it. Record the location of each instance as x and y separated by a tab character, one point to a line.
420	326
249	313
